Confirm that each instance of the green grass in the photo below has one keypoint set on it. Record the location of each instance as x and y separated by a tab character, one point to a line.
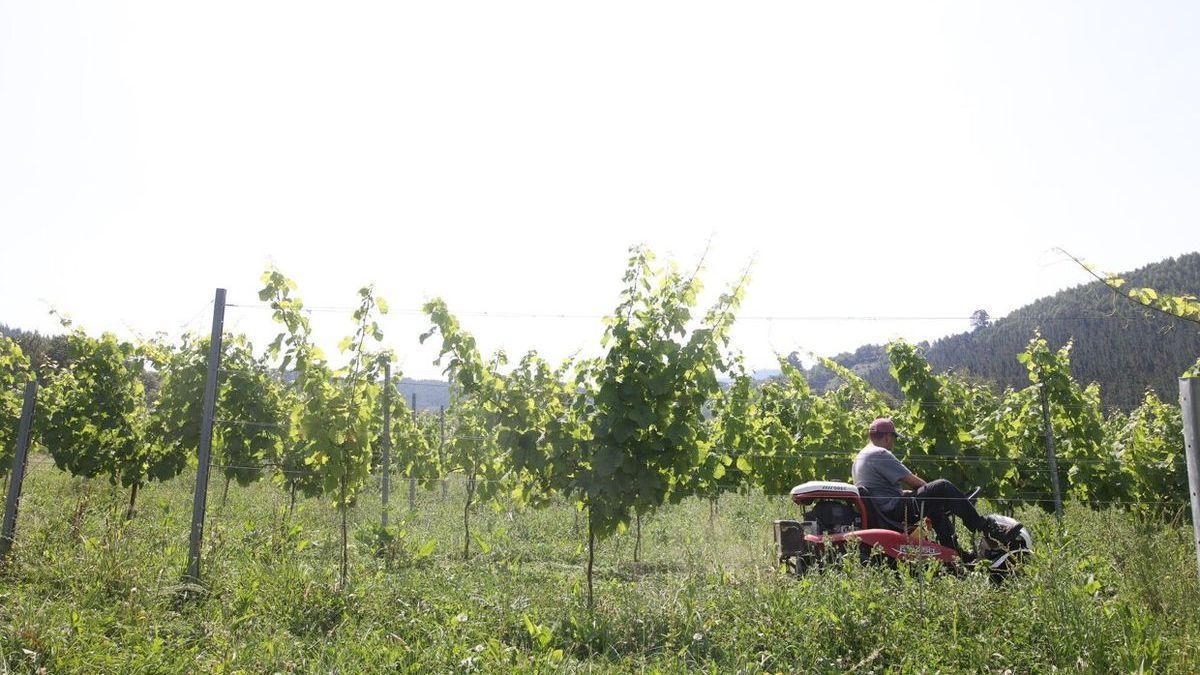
1113	593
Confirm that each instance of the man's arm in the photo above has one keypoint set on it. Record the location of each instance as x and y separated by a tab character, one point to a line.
912	481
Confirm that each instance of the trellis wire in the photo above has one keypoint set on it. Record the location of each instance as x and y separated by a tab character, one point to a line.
831	454
43	461
507	314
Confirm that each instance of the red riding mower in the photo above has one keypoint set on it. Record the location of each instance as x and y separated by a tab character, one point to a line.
842	518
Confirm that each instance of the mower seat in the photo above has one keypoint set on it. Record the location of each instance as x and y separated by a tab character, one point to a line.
876	517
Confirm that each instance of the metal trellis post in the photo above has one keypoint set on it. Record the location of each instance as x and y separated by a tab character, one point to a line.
387	437
412	480
1189	401
204	454
17	476
1049	431
442	448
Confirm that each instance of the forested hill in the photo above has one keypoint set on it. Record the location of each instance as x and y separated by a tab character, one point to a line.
1123	347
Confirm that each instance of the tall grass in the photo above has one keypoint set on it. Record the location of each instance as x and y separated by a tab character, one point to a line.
1108	592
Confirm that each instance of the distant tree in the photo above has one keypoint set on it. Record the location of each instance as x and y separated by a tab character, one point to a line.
45	353
980	319
794	360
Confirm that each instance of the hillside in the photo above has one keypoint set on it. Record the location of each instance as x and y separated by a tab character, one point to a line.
1120	346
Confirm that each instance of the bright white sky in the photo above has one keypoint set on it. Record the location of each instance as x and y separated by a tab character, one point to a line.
879	159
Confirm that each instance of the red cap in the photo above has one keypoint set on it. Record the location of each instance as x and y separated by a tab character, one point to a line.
883	425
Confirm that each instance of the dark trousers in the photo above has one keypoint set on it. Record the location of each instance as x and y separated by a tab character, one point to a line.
938	500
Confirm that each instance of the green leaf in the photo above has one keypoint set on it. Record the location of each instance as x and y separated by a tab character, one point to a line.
623	430
484	547
607	461
425	550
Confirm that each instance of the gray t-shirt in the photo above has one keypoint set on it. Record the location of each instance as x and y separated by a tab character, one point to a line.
878	470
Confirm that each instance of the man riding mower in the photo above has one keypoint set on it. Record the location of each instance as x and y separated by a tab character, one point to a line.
876	515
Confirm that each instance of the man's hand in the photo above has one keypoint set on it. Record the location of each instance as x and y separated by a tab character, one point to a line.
912	481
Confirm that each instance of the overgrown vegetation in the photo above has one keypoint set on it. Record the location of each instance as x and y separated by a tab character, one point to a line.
1114	593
